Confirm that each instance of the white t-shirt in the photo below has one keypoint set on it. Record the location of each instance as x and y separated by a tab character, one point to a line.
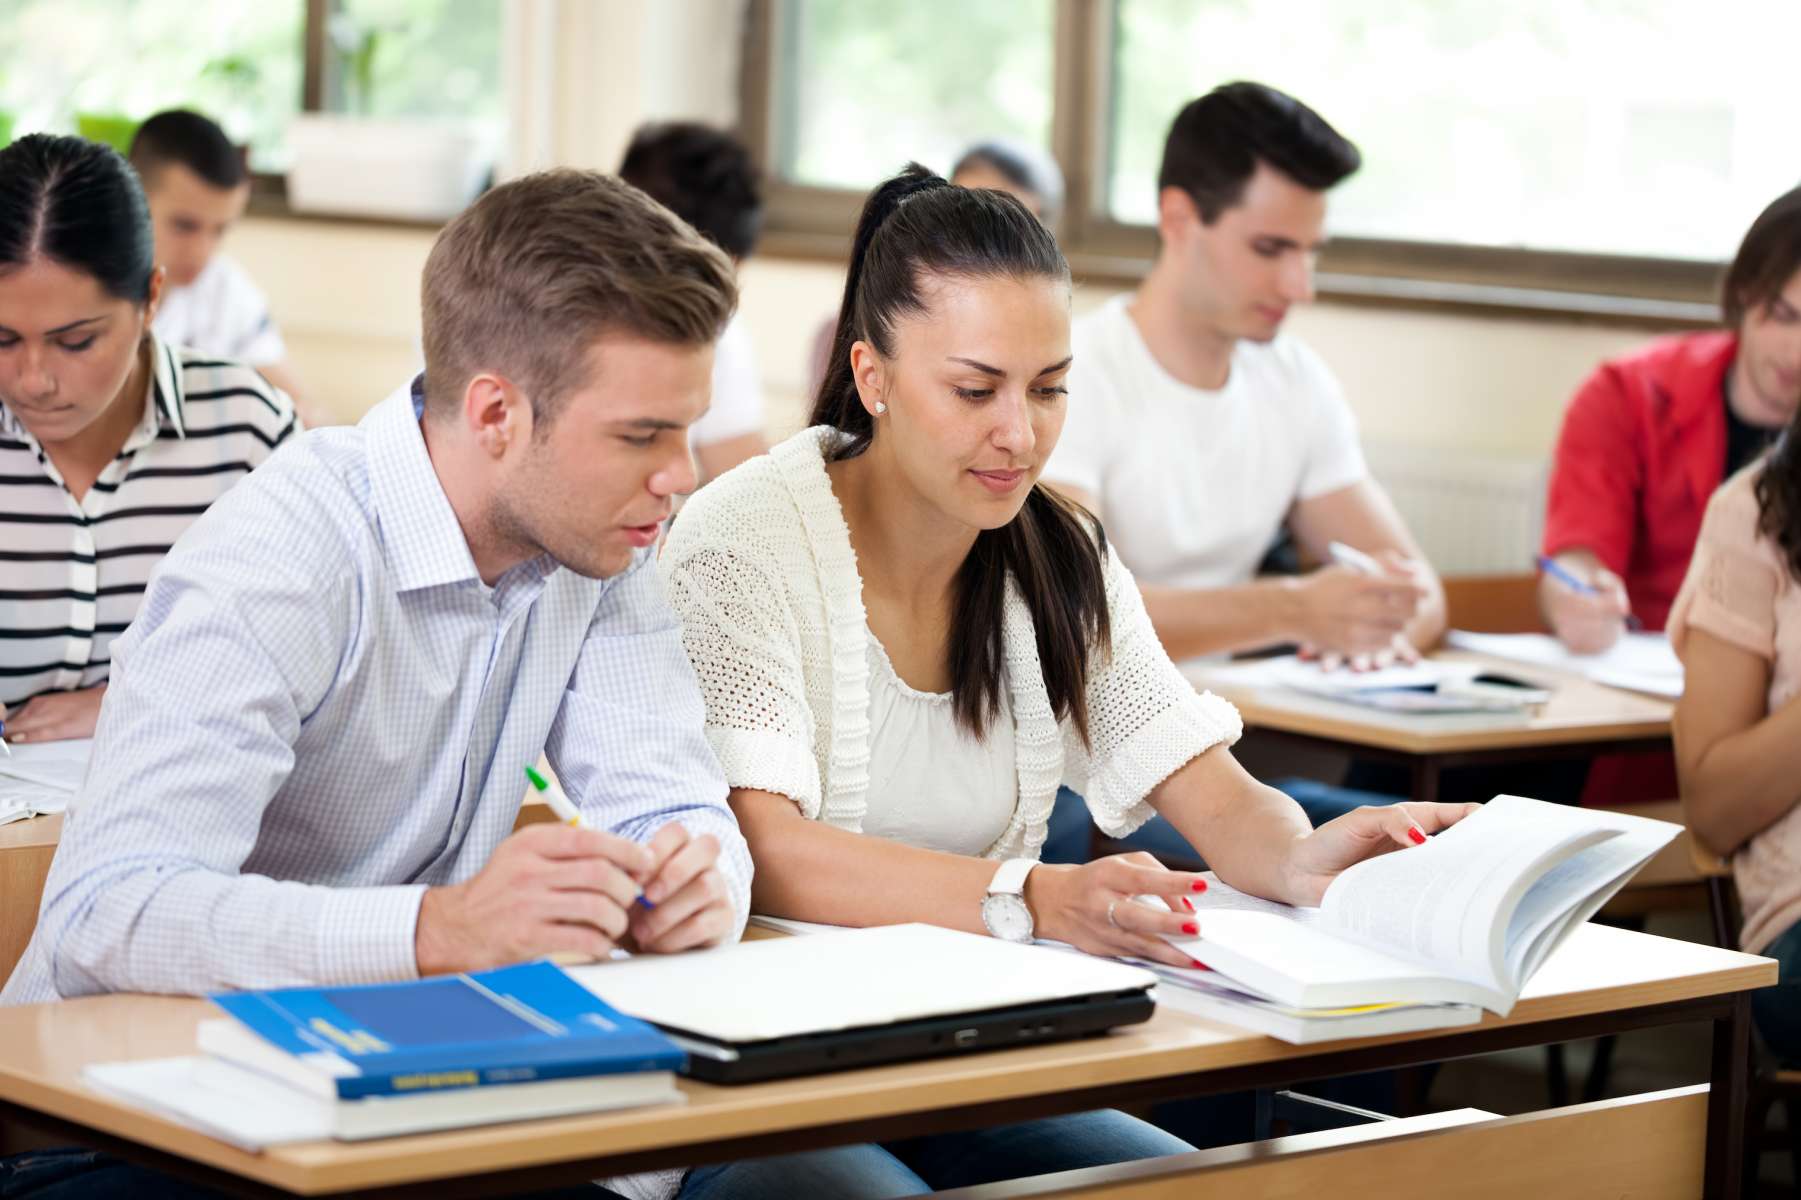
1193	484
737	394
931	784
222	313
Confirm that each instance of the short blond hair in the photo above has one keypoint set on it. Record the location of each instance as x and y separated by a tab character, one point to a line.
524	280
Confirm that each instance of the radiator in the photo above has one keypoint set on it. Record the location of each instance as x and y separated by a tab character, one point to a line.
1473	514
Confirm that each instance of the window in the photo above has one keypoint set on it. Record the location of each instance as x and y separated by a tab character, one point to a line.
96	66
1617	148
878	85
1635	127
77	64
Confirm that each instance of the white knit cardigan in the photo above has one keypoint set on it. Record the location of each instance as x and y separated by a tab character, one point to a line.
759	565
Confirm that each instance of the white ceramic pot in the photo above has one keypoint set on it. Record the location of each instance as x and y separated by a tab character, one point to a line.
427	170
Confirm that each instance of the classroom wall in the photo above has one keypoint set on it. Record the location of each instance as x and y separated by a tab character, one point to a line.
347	297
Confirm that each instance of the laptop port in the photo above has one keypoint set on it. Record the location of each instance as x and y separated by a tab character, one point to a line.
965	1037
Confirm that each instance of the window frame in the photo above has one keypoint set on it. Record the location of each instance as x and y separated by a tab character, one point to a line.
815	222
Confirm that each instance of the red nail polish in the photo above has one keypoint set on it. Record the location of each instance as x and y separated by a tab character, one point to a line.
1200	885
1189	903
1419	839
1198	965
1191	928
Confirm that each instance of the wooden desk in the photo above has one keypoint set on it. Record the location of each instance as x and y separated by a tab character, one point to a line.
1603	980
1581	720
26	848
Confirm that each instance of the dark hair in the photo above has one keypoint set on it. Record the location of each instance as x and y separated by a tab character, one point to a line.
1022	165
1766	260
914	226
1778	490
76	203
704	176
1216	142
190	140
524	279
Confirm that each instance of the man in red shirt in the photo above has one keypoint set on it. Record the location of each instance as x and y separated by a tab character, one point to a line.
1650	435
1647	439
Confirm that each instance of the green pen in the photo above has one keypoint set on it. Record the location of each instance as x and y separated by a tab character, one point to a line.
568	814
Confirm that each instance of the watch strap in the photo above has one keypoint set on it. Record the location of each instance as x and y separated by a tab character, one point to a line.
1010	879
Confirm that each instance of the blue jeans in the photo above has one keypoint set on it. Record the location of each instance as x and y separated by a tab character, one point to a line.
1067	839
918	1166
1776	1010
73	1173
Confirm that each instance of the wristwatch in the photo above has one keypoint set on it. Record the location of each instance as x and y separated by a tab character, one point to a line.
1004	909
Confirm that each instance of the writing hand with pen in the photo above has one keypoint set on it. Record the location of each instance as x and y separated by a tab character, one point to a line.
561	888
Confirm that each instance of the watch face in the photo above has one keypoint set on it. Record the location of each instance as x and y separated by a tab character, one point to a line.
1007	918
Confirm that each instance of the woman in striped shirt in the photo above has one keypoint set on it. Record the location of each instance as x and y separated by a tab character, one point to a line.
111	442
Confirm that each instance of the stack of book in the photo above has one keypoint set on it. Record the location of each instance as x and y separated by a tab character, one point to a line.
1425	937
298	1064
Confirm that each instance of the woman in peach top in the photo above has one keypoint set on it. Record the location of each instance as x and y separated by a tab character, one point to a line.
1737	625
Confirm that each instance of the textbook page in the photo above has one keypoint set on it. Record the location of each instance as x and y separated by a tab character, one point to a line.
1442	903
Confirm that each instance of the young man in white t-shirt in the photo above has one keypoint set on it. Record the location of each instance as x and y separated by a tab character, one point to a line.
706	177
1198	431
197	186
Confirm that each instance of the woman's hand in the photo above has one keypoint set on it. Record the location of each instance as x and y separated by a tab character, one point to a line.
1314	861
1093	906
55	716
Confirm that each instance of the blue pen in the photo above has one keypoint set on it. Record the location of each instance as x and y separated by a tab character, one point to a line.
1555	570
3	745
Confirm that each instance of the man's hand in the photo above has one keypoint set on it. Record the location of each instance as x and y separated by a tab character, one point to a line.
55	716
1586	623
1345	612
548	889
691	905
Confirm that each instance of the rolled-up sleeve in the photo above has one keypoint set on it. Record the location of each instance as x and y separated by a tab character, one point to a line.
1597	475
1145	721
629	741
233	646
742	640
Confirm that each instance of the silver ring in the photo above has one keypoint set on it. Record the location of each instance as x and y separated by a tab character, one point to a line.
1114	903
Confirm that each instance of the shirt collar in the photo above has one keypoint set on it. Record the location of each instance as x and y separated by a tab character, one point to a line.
167	395
420	532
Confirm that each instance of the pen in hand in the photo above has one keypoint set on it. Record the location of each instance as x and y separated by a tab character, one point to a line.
1561	574
3	745
568	814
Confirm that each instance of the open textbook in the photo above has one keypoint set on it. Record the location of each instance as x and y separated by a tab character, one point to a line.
1430	686
41	777
1463	920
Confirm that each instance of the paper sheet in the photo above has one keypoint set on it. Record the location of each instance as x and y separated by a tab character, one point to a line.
1638	662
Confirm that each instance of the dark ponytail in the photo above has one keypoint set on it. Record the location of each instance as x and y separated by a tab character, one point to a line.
76	203
917	225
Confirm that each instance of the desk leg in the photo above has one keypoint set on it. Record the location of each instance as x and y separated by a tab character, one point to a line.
1726	1097
1425	779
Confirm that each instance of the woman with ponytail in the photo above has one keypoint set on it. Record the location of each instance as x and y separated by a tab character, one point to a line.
1736	624
906	644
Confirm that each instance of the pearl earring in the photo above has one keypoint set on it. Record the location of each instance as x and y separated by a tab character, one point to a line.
880	408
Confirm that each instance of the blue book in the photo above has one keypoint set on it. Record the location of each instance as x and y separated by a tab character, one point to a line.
514	1025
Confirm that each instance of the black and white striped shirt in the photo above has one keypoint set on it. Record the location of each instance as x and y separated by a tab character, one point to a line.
72	572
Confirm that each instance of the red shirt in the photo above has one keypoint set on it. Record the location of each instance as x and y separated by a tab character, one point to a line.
1643	447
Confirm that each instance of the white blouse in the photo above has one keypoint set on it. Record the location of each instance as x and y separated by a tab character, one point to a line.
760	568
930	783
